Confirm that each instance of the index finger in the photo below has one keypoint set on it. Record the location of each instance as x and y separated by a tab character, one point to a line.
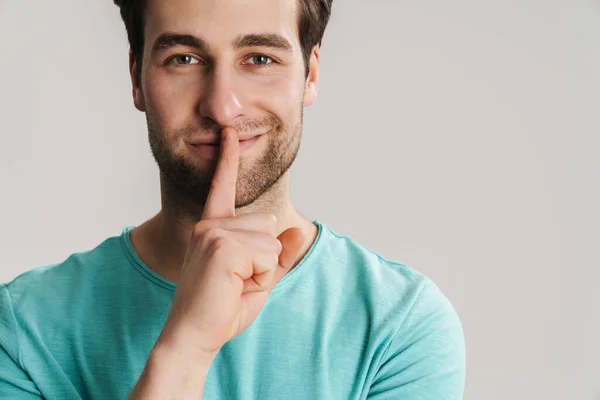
220	202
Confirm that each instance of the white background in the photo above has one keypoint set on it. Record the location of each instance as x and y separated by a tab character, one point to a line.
460	137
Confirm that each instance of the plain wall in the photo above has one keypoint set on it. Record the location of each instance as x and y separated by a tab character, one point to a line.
461	138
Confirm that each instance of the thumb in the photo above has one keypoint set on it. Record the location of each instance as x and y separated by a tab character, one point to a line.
291	240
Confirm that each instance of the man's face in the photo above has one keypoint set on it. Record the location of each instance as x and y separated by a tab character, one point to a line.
215	63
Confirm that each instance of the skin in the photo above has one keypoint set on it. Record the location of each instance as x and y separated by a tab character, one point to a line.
226	230
232	265
190	93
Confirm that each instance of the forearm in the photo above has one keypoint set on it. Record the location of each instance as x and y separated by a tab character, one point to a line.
172	372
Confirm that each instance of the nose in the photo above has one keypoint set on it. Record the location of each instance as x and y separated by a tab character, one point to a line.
221	101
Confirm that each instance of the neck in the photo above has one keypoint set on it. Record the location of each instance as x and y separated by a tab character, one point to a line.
161	242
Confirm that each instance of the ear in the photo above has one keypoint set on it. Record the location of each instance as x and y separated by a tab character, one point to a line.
138	95
312	80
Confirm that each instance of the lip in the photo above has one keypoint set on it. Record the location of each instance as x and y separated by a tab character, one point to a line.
210	149
216	141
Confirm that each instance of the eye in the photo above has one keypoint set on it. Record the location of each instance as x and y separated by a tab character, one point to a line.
185	59
260	60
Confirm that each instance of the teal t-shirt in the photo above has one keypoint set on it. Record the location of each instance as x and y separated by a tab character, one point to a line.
346	323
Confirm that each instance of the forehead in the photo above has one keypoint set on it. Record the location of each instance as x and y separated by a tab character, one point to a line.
219	21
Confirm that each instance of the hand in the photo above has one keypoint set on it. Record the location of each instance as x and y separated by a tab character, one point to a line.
231	265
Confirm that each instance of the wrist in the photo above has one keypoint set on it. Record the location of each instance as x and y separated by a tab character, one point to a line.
172	373
181	345
166	360
176	368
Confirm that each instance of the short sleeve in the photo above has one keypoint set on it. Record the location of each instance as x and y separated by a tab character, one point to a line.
14	381
426	358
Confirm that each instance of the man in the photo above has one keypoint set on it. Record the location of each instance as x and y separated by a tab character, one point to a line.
228	292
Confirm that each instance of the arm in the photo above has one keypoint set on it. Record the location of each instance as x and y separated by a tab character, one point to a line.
173	372
231	266
426	358
14	381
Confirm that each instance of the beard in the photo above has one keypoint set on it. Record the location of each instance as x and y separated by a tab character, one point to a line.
185	181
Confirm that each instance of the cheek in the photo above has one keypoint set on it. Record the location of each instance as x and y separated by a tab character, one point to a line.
169	99
278	94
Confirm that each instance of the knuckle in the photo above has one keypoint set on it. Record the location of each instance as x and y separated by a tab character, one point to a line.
201	227
216	233
219	242
269	221
271	260
275	259
247	266
273	222
276	244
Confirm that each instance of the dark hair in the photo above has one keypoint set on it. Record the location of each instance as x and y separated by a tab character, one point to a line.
312	21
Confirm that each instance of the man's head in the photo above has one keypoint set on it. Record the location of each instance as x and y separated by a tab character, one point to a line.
200	65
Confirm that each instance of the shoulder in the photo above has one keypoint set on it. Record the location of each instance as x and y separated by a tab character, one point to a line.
58	283
360	265
409	304
45	298
424	344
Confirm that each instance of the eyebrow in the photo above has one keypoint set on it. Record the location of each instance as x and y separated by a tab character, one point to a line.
168	40
272	40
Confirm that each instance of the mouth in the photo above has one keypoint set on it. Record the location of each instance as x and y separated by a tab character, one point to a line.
215	143
215	140
211	150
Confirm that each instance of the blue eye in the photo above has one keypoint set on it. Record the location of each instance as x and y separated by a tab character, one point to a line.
261	60
185	59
